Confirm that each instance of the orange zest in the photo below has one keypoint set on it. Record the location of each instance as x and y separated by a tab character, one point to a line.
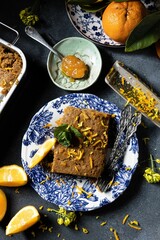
12	176
115	233
125	218
134	226
23	219
3	204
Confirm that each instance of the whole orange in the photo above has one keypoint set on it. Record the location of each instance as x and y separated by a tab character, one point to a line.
158	48
120	18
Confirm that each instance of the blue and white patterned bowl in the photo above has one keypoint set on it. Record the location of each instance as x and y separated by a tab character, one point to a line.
89	24
64	190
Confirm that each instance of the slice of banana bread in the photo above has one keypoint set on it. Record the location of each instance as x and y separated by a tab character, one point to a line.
88	156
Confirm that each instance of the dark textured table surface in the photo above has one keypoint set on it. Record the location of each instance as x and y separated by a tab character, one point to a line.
141	199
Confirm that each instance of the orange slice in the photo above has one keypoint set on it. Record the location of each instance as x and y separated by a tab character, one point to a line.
23	219
42	152
12	176
3	204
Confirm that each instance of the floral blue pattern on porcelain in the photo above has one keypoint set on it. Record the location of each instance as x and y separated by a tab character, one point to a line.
89	24
72	192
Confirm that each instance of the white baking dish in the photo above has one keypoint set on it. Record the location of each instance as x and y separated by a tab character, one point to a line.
4	98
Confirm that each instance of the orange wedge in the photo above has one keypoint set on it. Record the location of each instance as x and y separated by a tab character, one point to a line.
12	176
3	204
42	152
23	219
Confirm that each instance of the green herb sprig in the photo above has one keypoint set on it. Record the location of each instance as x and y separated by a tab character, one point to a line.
66	134
29	15
150	173
64	217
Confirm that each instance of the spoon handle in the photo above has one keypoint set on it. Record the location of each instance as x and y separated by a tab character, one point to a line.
32	32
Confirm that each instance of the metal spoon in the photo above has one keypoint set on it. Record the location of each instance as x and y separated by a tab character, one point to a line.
32	32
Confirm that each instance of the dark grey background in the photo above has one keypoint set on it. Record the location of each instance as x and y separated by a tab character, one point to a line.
141	200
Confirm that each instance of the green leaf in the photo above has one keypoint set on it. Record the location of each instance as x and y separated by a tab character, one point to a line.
90	5
64	139
85	2
59	129
93	5
76	132
66	134
145	34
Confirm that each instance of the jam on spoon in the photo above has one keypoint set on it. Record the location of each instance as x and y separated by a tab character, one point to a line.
74	67
71	65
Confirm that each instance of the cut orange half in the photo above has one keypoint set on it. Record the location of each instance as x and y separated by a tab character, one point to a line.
23	219
3	204
42	152
12	176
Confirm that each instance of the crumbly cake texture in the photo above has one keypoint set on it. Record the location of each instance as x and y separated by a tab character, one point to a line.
10	68
87	158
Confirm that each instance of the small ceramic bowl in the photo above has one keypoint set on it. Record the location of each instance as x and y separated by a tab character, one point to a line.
81	48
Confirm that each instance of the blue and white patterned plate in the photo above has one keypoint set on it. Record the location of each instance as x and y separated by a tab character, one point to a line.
89	24
72	192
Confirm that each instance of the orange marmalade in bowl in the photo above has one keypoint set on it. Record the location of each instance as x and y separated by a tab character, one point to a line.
79	67
74	67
